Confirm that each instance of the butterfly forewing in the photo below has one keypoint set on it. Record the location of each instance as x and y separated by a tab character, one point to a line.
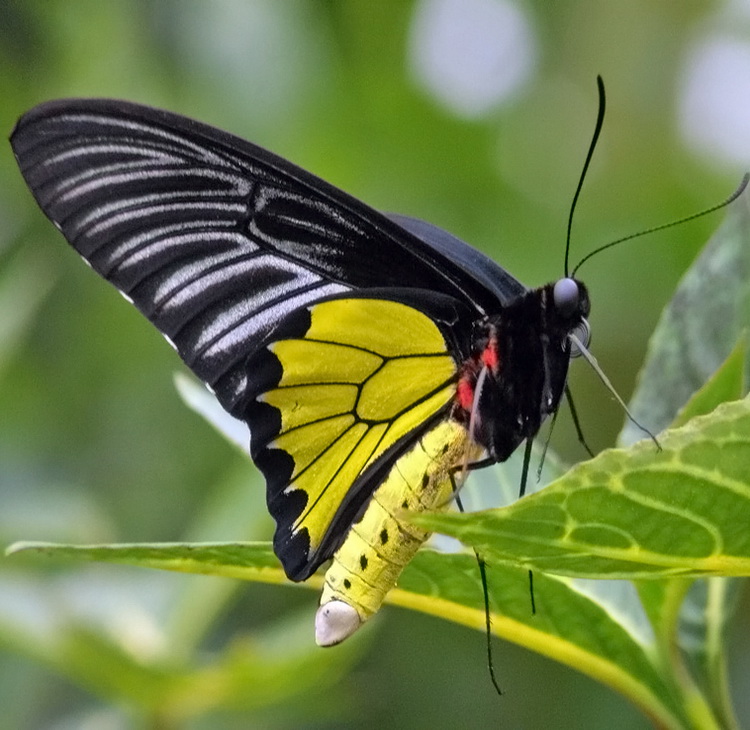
165	220
214	239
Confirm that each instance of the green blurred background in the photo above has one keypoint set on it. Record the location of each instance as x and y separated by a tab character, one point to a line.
472	114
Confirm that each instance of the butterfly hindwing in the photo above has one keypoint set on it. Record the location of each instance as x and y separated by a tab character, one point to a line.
344	387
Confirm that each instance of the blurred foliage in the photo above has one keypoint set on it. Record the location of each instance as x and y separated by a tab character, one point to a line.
95	445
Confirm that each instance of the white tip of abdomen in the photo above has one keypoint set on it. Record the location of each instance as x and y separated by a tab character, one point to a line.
334	622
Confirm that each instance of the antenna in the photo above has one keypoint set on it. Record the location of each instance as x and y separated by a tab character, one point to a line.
736	194
592	147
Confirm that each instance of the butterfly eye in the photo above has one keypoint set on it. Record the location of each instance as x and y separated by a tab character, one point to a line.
565	295
582	331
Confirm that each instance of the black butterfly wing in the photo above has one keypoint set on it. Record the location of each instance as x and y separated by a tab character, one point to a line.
214	239
472	262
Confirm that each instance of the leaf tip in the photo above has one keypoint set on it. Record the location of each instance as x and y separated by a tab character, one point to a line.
20	546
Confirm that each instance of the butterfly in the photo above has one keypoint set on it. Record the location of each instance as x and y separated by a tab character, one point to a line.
375	358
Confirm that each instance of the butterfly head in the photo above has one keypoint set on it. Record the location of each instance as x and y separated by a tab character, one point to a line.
516	374
569	309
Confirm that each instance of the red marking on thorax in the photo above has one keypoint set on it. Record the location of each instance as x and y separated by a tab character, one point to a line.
488	358
491	355
465	394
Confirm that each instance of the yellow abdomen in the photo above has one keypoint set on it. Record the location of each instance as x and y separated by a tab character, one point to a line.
381	543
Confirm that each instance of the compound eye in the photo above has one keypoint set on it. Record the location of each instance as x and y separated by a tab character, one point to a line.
583	332
565	295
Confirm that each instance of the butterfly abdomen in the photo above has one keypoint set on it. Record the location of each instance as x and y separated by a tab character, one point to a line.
381	543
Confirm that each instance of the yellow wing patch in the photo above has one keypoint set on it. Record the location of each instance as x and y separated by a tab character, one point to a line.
333	363
365	374
390	329
303	404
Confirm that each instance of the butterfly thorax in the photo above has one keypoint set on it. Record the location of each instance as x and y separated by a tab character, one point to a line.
518	366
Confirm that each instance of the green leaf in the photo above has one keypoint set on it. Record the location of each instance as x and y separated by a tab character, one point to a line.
707	315
243	560
698	615
572	623
727	383
632	513
702	637
699	327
